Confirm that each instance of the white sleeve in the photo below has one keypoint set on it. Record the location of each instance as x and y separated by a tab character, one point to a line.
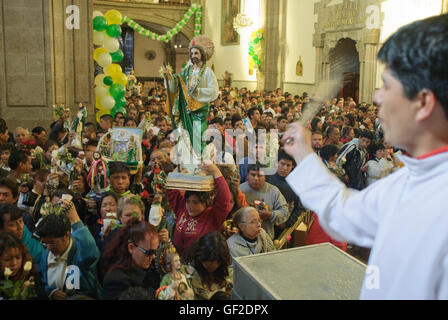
442	293
345	214
208	89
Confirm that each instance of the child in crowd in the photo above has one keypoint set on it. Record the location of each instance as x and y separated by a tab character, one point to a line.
17	265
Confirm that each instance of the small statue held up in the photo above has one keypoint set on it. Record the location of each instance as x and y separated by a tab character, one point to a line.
97	177
78	126
174	284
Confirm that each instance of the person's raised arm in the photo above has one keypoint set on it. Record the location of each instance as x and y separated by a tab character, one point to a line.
221	205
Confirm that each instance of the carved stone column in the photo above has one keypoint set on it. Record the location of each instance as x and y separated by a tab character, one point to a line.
325	63
368	49
318	43
275	31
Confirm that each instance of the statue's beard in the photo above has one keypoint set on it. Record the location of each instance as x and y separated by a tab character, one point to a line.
195	60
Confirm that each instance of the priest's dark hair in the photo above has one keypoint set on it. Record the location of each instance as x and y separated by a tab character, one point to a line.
416	55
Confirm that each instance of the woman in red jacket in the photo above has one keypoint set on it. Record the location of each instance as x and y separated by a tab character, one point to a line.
194	217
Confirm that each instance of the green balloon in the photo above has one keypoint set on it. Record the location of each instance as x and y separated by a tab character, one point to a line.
117	91
108	81
117	56
99	23
256	40
120	103
116	110
113	31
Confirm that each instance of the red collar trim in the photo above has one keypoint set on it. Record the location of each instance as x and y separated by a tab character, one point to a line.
433	153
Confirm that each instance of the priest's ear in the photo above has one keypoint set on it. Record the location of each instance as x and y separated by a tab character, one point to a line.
426	104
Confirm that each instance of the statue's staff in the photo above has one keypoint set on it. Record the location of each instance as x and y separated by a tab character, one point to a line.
170	103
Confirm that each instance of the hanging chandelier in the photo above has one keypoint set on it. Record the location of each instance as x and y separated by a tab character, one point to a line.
241	21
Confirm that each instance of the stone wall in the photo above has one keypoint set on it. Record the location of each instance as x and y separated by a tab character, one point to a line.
25	64
43	61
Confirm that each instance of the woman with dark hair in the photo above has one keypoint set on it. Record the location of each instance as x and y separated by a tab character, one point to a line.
58	132
128	208
316	124
349	120
348	134
130	122
211	259
108	205
127	260
329	155
153	94
379	166
195	214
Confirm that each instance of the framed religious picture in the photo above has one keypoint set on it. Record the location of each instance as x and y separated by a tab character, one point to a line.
122	145
230	9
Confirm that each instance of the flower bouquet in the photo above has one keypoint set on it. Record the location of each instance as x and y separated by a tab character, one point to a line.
60	111
19	289
110	223
28	145
63	159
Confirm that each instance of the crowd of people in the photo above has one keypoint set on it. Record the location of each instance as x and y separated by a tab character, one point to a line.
189	254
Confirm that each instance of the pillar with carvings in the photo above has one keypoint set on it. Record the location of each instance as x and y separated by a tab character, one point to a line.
275	32
318	43
368	49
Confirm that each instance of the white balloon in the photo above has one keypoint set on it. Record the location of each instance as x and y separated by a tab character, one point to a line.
99	80
101	91
108	102
111	44
98	37
97	13
104	60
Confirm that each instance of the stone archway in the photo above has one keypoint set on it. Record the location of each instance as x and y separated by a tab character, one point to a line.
348	20
344	64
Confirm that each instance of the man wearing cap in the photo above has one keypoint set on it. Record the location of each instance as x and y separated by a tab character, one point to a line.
193	90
